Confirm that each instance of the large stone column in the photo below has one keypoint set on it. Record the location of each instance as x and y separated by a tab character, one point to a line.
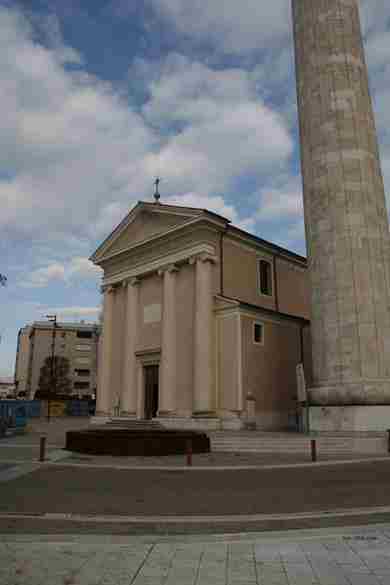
129	387
103	402
167	394
203	400
346	222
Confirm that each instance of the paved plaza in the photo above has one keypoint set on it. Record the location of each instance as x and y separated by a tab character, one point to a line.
347	556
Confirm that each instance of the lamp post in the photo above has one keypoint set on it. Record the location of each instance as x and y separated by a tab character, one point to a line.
53	319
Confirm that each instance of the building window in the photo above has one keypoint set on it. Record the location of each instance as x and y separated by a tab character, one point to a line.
83	347
84	334
83	360
81	385
82	372
258	333
265	277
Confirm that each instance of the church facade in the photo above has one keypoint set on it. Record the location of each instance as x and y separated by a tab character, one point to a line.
199	316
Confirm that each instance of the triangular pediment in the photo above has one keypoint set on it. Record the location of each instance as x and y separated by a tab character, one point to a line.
144	222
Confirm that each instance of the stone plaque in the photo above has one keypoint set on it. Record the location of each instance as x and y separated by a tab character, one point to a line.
152	314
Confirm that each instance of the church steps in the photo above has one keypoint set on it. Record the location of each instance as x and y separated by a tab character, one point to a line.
279	443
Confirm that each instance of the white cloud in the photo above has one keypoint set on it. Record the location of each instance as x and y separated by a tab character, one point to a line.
74	312
78	267
222	129
212	203
234	27
284	202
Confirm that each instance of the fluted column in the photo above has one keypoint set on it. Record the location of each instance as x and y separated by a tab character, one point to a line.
103	402
167	397
203	401
129	384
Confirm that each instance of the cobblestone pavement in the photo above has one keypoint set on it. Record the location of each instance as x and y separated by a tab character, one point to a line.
347	556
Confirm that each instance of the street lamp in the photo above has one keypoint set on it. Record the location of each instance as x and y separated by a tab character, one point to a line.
53	319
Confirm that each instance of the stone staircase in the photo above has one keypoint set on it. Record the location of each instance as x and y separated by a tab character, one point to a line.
292	443
134	424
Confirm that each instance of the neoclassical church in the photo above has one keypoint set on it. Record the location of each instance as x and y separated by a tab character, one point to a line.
198	316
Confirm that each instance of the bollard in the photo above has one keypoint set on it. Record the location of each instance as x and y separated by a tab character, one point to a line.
189	452
313	443
388	440
42	446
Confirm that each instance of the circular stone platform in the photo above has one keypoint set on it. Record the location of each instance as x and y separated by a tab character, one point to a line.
128	442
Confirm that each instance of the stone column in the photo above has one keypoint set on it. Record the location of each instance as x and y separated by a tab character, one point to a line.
103	402
167	394
203	399
346	222
129	384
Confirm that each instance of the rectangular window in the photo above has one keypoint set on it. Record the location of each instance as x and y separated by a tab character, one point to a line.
81	385
258	333
82	372
265	277
83	347
84	334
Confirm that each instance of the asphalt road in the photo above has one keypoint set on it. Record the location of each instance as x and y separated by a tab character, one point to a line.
76	490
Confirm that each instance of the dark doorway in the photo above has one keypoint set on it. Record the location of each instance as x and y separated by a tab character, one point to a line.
151	391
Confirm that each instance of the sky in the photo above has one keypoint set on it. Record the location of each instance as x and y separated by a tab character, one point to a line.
99	97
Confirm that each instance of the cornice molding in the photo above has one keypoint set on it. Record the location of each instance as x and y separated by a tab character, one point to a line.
160	263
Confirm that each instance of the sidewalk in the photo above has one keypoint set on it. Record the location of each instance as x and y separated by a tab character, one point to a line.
347	556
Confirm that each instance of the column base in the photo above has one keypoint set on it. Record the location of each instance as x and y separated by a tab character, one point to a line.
204	414
128	413
349	418
361	392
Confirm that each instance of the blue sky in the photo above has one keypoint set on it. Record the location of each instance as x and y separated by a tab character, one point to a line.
100	97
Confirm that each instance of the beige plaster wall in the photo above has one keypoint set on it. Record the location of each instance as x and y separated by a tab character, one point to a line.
185	292
290	292
227	362
293	294
240	279
149	334
269	369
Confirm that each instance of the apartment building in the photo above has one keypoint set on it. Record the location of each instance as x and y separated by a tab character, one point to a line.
78	342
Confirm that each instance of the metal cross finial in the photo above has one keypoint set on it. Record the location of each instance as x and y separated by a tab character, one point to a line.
156	193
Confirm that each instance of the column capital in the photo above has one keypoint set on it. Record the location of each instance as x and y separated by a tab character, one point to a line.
169	268
203	257
134	281
106	288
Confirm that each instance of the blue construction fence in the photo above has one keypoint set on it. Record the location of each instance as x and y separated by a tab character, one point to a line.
21	410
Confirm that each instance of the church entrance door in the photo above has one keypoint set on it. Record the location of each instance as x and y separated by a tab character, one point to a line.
151	391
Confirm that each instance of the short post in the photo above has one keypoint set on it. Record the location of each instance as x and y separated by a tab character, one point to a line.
388	440
313	444
189	451
42	448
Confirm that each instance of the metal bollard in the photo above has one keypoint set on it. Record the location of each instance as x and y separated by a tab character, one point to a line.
313	443
42	448
189	452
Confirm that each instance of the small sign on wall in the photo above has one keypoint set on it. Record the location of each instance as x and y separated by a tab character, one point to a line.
152	314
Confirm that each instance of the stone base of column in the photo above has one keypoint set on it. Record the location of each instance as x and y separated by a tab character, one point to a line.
128	413
349	418
204	414
166	414
362	392
191	423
